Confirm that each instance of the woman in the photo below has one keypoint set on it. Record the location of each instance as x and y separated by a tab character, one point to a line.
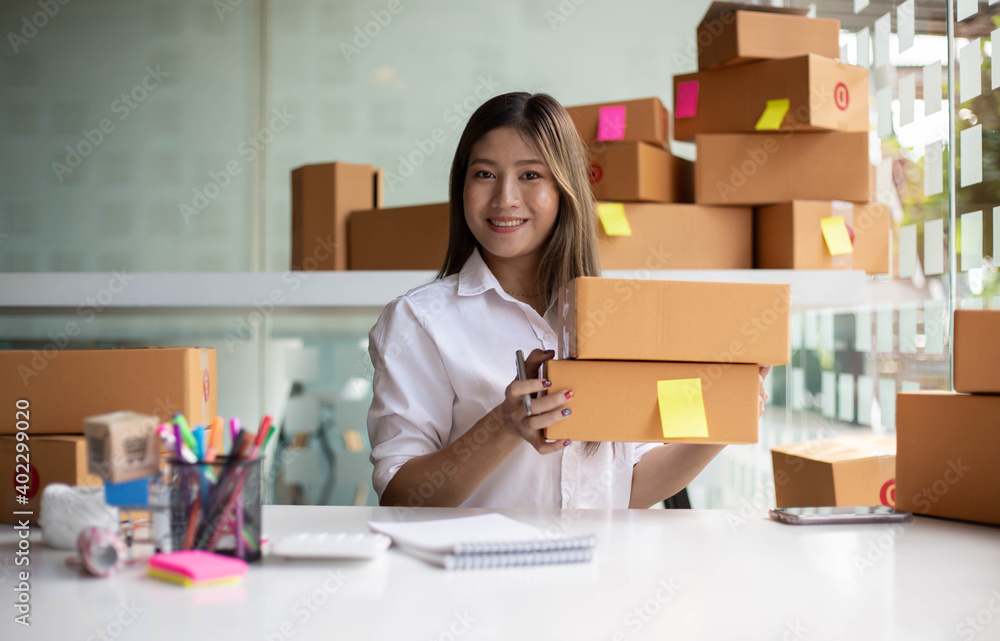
447	423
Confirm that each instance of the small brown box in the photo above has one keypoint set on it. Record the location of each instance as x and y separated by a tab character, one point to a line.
735	32
121	446
322	197
853	470
823	95
646	120
399	237
788	236
52	459
635	171
762	169
977	351
946	451
617	400
659	320
681	236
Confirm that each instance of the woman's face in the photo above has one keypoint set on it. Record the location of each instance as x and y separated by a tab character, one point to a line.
511	199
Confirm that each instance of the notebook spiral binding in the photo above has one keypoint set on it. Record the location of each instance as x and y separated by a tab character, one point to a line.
477	561
508	547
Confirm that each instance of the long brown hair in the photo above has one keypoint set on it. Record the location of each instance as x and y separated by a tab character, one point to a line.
543	123
571	250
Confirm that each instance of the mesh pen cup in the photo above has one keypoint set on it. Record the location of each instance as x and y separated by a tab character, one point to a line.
216	506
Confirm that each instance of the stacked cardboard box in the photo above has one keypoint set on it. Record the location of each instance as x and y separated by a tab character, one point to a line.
838	472
398	237
780	125
663	361
322	197
649	191
53	391
948	441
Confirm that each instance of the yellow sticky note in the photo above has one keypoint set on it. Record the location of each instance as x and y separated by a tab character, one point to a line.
682	408
838	240
773	114
613	219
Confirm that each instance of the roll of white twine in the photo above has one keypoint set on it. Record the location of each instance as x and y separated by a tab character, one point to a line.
66	511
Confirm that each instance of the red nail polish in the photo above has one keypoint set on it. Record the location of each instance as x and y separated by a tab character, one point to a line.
546	383
566	443
569	394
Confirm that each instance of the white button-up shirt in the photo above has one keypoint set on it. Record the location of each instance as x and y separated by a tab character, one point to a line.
443	355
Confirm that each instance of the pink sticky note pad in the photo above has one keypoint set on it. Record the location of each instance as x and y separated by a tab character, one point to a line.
199	565
687	100
611	123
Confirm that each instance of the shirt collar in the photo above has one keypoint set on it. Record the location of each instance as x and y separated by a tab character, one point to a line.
475	278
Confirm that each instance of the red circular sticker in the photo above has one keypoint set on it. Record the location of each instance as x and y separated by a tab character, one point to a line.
33	482
888	493
204	385
595	173
841	96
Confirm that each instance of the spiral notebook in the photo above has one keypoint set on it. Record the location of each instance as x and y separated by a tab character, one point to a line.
485	541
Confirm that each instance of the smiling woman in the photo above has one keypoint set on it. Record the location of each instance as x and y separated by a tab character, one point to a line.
448	425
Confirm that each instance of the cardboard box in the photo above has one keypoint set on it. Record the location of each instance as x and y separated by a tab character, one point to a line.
635	171
646	120
122	446
64	387
322	197
946	459
399	238
976	360
617	400
656	320
681	236
52	459
788	236
846	471
734	32
823	95
762	169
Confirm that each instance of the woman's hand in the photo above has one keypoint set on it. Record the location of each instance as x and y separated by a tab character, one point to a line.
545	410
762	374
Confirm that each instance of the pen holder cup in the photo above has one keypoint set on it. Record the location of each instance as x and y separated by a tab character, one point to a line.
216	506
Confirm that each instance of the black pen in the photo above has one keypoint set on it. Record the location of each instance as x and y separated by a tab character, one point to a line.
522	375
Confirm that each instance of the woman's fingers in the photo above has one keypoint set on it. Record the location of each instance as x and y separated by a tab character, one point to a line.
545	447
551	401
535	360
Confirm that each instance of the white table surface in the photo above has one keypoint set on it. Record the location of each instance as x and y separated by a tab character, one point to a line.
659	574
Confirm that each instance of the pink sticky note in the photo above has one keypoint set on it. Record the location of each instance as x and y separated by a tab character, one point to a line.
687	100
611	123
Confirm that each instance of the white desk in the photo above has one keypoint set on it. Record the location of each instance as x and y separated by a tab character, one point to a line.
729	579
